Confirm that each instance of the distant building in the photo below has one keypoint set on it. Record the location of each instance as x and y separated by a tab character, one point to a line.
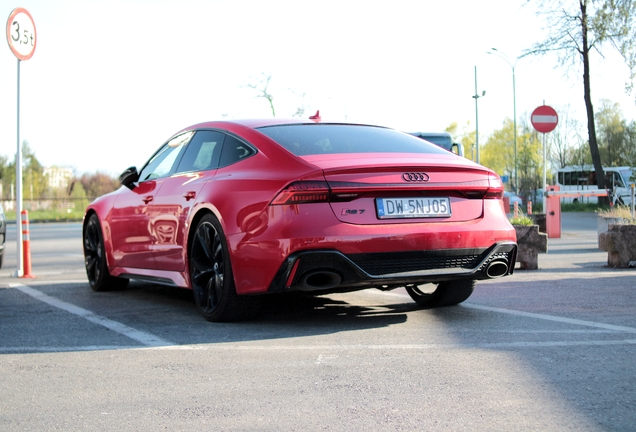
58	177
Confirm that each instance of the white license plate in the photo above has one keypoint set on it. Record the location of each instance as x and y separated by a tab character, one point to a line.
393	208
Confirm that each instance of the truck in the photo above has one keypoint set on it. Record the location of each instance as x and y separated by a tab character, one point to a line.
441	139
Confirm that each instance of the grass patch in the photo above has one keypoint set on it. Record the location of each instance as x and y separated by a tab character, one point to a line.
621	212
582	207
50	215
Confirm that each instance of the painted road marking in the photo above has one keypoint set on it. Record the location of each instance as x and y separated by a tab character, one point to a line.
152	341
552	318
142	337
545	317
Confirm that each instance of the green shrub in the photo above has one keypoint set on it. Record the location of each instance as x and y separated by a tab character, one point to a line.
521	220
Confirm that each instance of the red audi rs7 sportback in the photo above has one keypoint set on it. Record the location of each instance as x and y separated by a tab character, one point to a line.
237	209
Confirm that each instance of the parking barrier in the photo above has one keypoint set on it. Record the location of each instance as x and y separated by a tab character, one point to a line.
26	245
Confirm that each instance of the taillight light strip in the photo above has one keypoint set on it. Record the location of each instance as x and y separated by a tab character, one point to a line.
304	192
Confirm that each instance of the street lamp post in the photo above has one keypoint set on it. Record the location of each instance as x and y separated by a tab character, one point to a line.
476	97
514	106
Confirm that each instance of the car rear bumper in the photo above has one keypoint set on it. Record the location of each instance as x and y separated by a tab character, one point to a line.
330	270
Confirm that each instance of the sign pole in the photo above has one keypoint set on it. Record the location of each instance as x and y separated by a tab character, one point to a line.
18	197
22	40
544	119
545	175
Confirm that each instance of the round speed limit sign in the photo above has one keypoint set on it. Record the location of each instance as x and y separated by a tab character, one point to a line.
21	34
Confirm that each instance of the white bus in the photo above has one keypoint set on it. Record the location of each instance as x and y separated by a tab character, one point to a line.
583	178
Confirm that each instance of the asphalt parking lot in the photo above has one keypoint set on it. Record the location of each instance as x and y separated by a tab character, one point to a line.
550	349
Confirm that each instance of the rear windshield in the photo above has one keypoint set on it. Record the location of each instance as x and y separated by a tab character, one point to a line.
311	139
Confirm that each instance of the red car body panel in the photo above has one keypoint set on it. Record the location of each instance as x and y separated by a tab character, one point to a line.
146	229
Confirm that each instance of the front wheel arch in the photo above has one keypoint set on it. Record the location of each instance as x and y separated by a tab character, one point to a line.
96	256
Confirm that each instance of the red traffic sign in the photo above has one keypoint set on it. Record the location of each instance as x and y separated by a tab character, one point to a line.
21	33
544	119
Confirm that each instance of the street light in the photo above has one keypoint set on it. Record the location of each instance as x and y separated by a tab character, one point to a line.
512	65
476	97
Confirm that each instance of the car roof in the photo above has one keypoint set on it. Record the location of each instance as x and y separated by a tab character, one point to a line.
264	122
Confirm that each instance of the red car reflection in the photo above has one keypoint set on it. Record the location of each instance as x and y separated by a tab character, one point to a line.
237	209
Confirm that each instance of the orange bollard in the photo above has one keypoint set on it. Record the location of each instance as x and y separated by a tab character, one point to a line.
529	207
515	212
26	246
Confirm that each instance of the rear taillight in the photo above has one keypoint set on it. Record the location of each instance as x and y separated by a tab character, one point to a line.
303	192
495	187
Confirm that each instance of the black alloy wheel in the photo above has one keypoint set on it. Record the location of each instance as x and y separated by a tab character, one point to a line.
449	293
95	259
211	276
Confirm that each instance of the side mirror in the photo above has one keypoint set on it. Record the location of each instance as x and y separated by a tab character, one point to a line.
129	177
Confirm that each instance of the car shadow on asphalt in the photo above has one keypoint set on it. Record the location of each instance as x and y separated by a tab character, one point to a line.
281	316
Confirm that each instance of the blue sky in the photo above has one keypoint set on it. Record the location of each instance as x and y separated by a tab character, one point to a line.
112	80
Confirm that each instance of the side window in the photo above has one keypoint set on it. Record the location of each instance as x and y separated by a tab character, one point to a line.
202	152
618	181
160	164
234	150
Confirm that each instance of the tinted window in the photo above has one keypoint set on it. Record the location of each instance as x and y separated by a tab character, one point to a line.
234	150
161	163
618	181
308	139
202	152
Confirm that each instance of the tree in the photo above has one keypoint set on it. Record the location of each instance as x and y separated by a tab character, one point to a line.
630	153
35	183
466	138
498	155
33	180
564	140
261	85
529	161
263	90
4	172
95	185
578	27
612	134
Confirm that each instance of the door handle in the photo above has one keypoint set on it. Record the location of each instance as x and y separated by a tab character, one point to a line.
147	199
189	195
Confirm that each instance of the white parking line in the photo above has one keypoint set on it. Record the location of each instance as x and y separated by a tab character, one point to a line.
144	338
152	341
552	318
545	317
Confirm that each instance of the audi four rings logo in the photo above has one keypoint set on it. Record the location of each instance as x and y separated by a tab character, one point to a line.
415	177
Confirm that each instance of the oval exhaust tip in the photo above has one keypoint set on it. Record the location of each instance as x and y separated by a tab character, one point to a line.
321	280
497	269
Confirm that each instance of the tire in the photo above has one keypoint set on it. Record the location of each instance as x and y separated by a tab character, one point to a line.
449	293
211	277
95	259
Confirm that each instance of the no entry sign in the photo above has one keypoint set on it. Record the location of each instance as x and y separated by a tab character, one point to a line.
544	119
